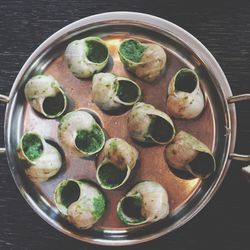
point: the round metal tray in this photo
(216, 127)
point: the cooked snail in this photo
(118, 161)
(43, 160)
(187, 153)
(45, 95)
(185, 97)
(110, 92)
(148, 124)
(86, 57)
(146, 60)
(146, 202)
(80, 201)
(80, 134)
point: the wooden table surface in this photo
(223, 27)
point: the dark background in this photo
(223, 27)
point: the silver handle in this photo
(234, 99)
(5, 99)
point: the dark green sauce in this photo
(185, 81)
(70, 193)
(89, 141)
(160, 129)
(32, 146)
(132, 50)
(99, 206)
(111, 176)
(202, 165)
(131, 207)
(127, 91)
(97, 52)
(54, 104)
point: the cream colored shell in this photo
(183, 150)
(104, 91)
(152, 62)
(140, 118)
(68, 127)
(181, 104)
(46, 166)
(82, 213)
(123, 155)
(38, 88)
(77, 60)
(154, 203)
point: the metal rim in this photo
(200, 51)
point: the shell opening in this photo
(132, 50)
(89, 141)
(131, 207)
(110, 175)
(160, 129)
(186, 81)
(54, 105)
(97, 52)
(32, 146)
(202, 165)
(127, 91)
(69, 193)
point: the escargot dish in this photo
(111, 92)
(146, 202)
(187, 153)
(86, 57)
(80, 202)
(145, 60)
(148, 124)
(45, 95)
(118, 161)
(42, 159)
(185, 98)
(80, 134)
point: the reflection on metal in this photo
(235, 99)
(239, 157)
(2, 150)
(4, 98)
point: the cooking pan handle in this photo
(234, 99)
(5, 99)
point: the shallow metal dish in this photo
(216, 126)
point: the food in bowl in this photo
(43, 160)
(119, 158)
(146, 60)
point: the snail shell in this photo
(118, 160)
(80, 201)
(80, 134)
(111, 92)
(43, 160)
(187, 153)
(145, 60)
(45, 95)
(87, 56)
(148, 124)
(185, 98)
(146, 202)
